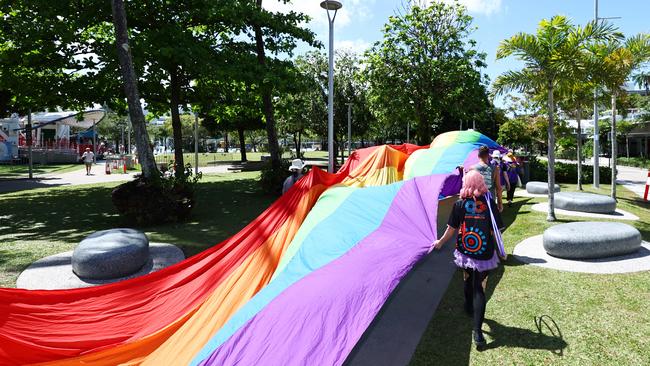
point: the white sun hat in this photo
(496, 154)
(296, 164)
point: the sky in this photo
(359, 23)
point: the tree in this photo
(642, 79)
(129, 78)
(617, 59)
(575, 93)
(548, 55)
(516, 132)
(426, 70)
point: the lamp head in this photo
(331, 5)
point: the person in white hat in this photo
(296, 173)
(497, 161)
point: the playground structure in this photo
(52, 138)
(298, 285)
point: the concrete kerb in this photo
(55, 272)
(531, 251)
(617, 215)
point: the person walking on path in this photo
(296, 173)
(88, 158)
(490, 173)
(477, 225)
(512, 170)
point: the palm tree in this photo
(549, 55)
(617, 59)
(574, 93)
(642, 79)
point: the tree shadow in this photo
(68, 215)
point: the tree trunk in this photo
(295, 144)
(271, 132)
(614, 146)
(299, 148)
(226, 143)
(242, 144)
(177, 127)
(579, 147)
(145, 154)
(423, 131)
(551, 154)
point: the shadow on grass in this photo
(448, 339)
(70, 214)
(513, 337)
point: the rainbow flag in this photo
(298, 285)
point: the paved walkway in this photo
(634, 179)
(79, 177)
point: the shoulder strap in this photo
(497, 233)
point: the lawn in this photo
(22, 171)
(208, 159)
(38, 223)
(584, 319)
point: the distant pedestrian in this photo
(88, 158)
(512, 170)
(490, 174)
(497, 161)
(296, 173)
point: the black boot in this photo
(479, 340)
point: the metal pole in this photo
(349, 128)
(128, 135)
(408, 132)
(28, 139)
(196, 143)
(94, 141)
(330, 97)
(596, 138)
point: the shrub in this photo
(153, 201)
(567, 173)
(272, 179)
(635, 162)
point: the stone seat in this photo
(585, 202)
(533, 187)
(110, 254)
(584, 240)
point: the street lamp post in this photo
(196, 143)
(349, 128)
(596, 138)
(334, 6)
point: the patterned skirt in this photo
(480, 265)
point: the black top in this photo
(475, 238)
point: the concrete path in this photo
(79, 177)
(531, 251)
(634, 179)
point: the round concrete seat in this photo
(539, 187)
(110, 254)
(585, 202)
(583, 240)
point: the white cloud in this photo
(358, 46)
(486, 7)
(352, 9)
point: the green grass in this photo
(22, 171)
(38, 223)
(587, 319)
(207, 159)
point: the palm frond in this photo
(520, 81)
